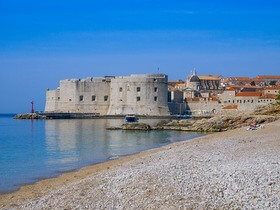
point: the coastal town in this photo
(155, 95)
(153, 105)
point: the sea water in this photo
(31, 150)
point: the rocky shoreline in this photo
(215, 124)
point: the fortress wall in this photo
(52, 97)
(76, 96)
(139, 94)
(98, 88)
(204, 106)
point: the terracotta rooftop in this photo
(192, 99)
(272, 88)
(181, 85)
(230, 89)
(231, 106)
(237, 78)
(254, 94)
(268, 96)
(209, 77)
(268, 77)
(244, 86)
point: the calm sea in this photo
(34, 150)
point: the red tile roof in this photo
(231, 106)
(268, 77)
(272, 88)
(254, 94)
(244, 86)
(192, 99)
(268, 96)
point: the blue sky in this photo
(42, 42)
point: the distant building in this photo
(209, 82)
(267, 79)
(272, 90)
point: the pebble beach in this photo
(236, 169)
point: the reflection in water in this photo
(80, 141)
(30, 150)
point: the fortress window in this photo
(93, 98)
(155, 80)
(138, 98)
(156, 89)
(252, 101)
(138, 89)
(106, 98)
(81, 98)
(58, 98)
(155, 98)
(120, 89)
(70, 99)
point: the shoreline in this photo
(244, 141)
(33, 190)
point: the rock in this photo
(135, 126)
(29, 116)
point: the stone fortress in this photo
(154, 95)
(120, 95)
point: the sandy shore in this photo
(233, 169)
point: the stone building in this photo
(135, 94)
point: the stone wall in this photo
(141, 94)
(135, 94)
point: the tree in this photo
(253, 83)
(272, 83)
(278, 96)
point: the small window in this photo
(106, 98)
(138, 89)
(138, 98)
(156, 89)
(155, 80)
(81, 98)
(155, 98)
(121, 89)
(58, 98)
(93, 98)
(70, 99)
(232, 101)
